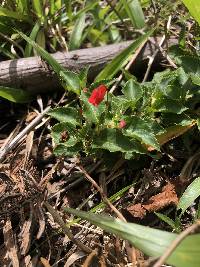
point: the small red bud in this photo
(122, 124)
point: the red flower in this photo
(122, 124)
(97, 95)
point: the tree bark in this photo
(34, 75)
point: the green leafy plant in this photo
(127, 123)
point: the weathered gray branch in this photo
(34, 75)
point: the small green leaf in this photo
(120, 60)
(151, 241)
(65, 114)
(70, 81)
(113, 140)
(40, 39)
(76, 35)
(132, 90)
(140, 129)
(71, 151)
(135, 13)
(164, 104)
(83, 75)
(189, 196)
(15, 95)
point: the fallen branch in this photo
(34, 75)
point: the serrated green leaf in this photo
(189, 196)
(83, 75)
(76, 35)
(164, 104)
(113, 140)
(151, 241)
(190, 64)
(65, 114)
(70, 81)
(132, 90)
(15, 95)
(120, 60)
(139, 129)
(71, 151)
(135, 13)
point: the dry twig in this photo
(99, 189)
(21, 135)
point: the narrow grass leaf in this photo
(166, 219)
(38, 8)
(12, 14)
(189, 196)
(69, 80)
(135, 13)
(194, 8)
(28, 48)
(76, 35)
(15, 95)
(120, 60)
(151, 241)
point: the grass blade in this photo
(151, 241)
(12, 14)
(194, 8)
(189, 196)
(33, 35)
(135, 13)
(76, 36)
(120, 60)
(69, 80)
(15, 95)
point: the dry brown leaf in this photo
(90, 258)
(9, 242)
(25, 235)
(29, 144)
(171, 133)
(45, 262)
(166, 197)
(41, 220)
(137, 210)
(74, 257)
